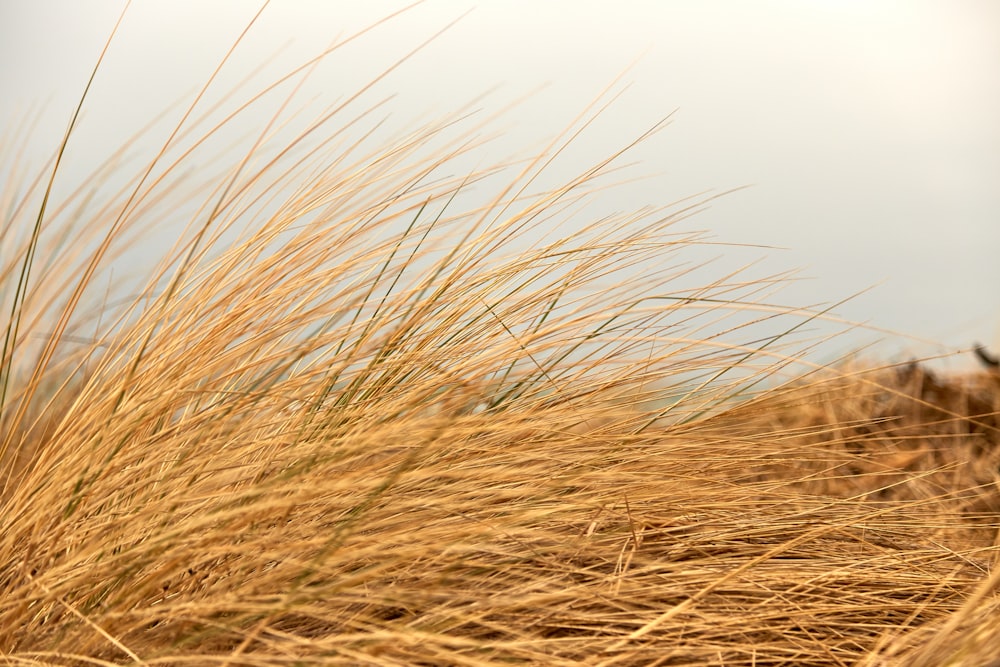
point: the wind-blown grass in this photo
(347, 421)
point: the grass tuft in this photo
(355, 415)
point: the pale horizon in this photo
(867, 131)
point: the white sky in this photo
(869, 129)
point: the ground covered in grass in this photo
(848, 521)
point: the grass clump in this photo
(346, 420)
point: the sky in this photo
(868, 132)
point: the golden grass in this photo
(344, 423)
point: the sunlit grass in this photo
(356, 416)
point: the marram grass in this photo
(348, 421)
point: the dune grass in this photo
(351, 419)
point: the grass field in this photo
(346, 420)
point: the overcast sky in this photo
(868, 130)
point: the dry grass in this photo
(345, 424)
